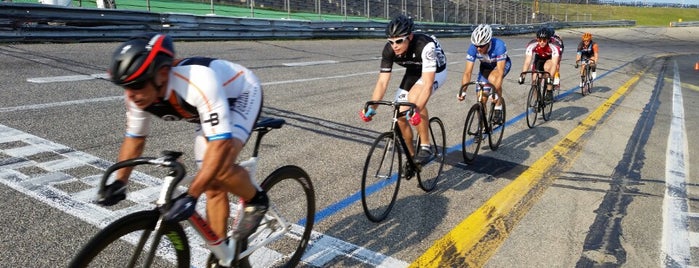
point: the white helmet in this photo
(481, 35)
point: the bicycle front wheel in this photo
(548, 104)
(429, 174)
(381, 177)
(473, 134)
(532, 106)
(292, 197)
(497, 129)
(584, 90)
(128, 241)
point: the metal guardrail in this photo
(42, 23)
(685, 24)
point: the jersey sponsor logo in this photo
(430, 55)
(213, 119)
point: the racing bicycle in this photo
(586, 76)
(480, 120)
(539, 99)
(144, 239)
(384, 167)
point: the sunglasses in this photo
(138, 85)
(397, 41)
(481, 46)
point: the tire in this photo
(473, 134)
(381, 177)
(548, 105)
(584, 90)
(532, 106)
(429, 174)
(497, 129)
(113, 246)
(291, 195)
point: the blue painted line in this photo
(356, 197)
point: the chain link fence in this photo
(504, 12)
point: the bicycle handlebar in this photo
(395, 104)
(545, 73)
(481, 84)
(168, 159)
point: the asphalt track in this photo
(607, 181)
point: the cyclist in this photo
(587, 49)
(495, 64)
(544, 55)
(224, 99)
(426, 71)
(557, 40)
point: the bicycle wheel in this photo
(429, 174)
(532, 106)
(381, 177)
(585, 79)
(291, 196)
(128, 241)
(548, 104)
(589, 81)
(473, 133)
(497, 129)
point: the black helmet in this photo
(543, 33)
(136, 60)
(551, 30)
(401, 25)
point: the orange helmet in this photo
(587, 37)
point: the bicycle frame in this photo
(538, 81)
(395, 129)
(482, 100)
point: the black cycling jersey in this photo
(413, 59)
(586, 52)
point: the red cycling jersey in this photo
(542, 53)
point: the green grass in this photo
(644, 16)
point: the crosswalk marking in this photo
(18, 151)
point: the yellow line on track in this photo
(473, 241)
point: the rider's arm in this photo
(137, 129)
(384, 74)
(381, 85)
(527, 62)
(466, 77)
(131, 147)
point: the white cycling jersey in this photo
(224, 98)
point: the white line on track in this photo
(675, 241)
(309, 63)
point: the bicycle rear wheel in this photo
(497, 129)
(429, 174)
(292, 197)
(381, 177)
(473, 133)
(127, 242)
(532, 106)
(548, 104)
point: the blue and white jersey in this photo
(496, 52)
